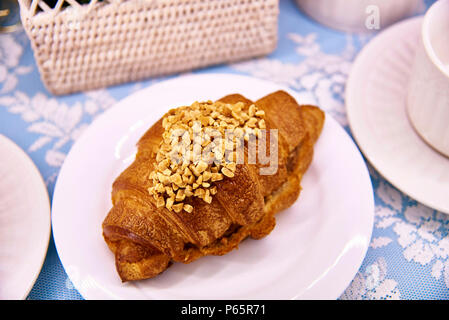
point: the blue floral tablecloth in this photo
(408, 257)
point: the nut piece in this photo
(228, 173)
(188, 208)
(207, 197)
(207, 175)
(169, 203)
(178, 207)
(176, 179)
(160, 202)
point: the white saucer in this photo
(375, 101)
(24, 221)
(314, 252)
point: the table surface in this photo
(408, 257)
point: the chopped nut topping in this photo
(193, 155)
(169, 203)
(160, 202)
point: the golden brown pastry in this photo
(147, 232)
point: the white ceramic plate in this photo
(376, 107)
(314, 252)
(24, 221)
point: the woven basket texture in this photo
(81, 47)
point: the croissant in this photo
(146, 238)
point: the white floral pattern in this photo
(421, 234)
(319, 77)
(54, 122)
(372, 284)
(420, 231)
(408, 238)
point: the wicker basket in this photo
(101, 43)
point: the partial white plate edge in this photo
(318, 285)
(44, 193)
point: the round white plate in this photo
(314, 252)
(376, 107)
(24, 221)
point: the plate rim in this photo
(371, 204)
(350, 105)
(18, 151)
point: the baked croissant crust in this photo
(147, 239)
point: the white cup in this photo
(359, 15)
(428, 91)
